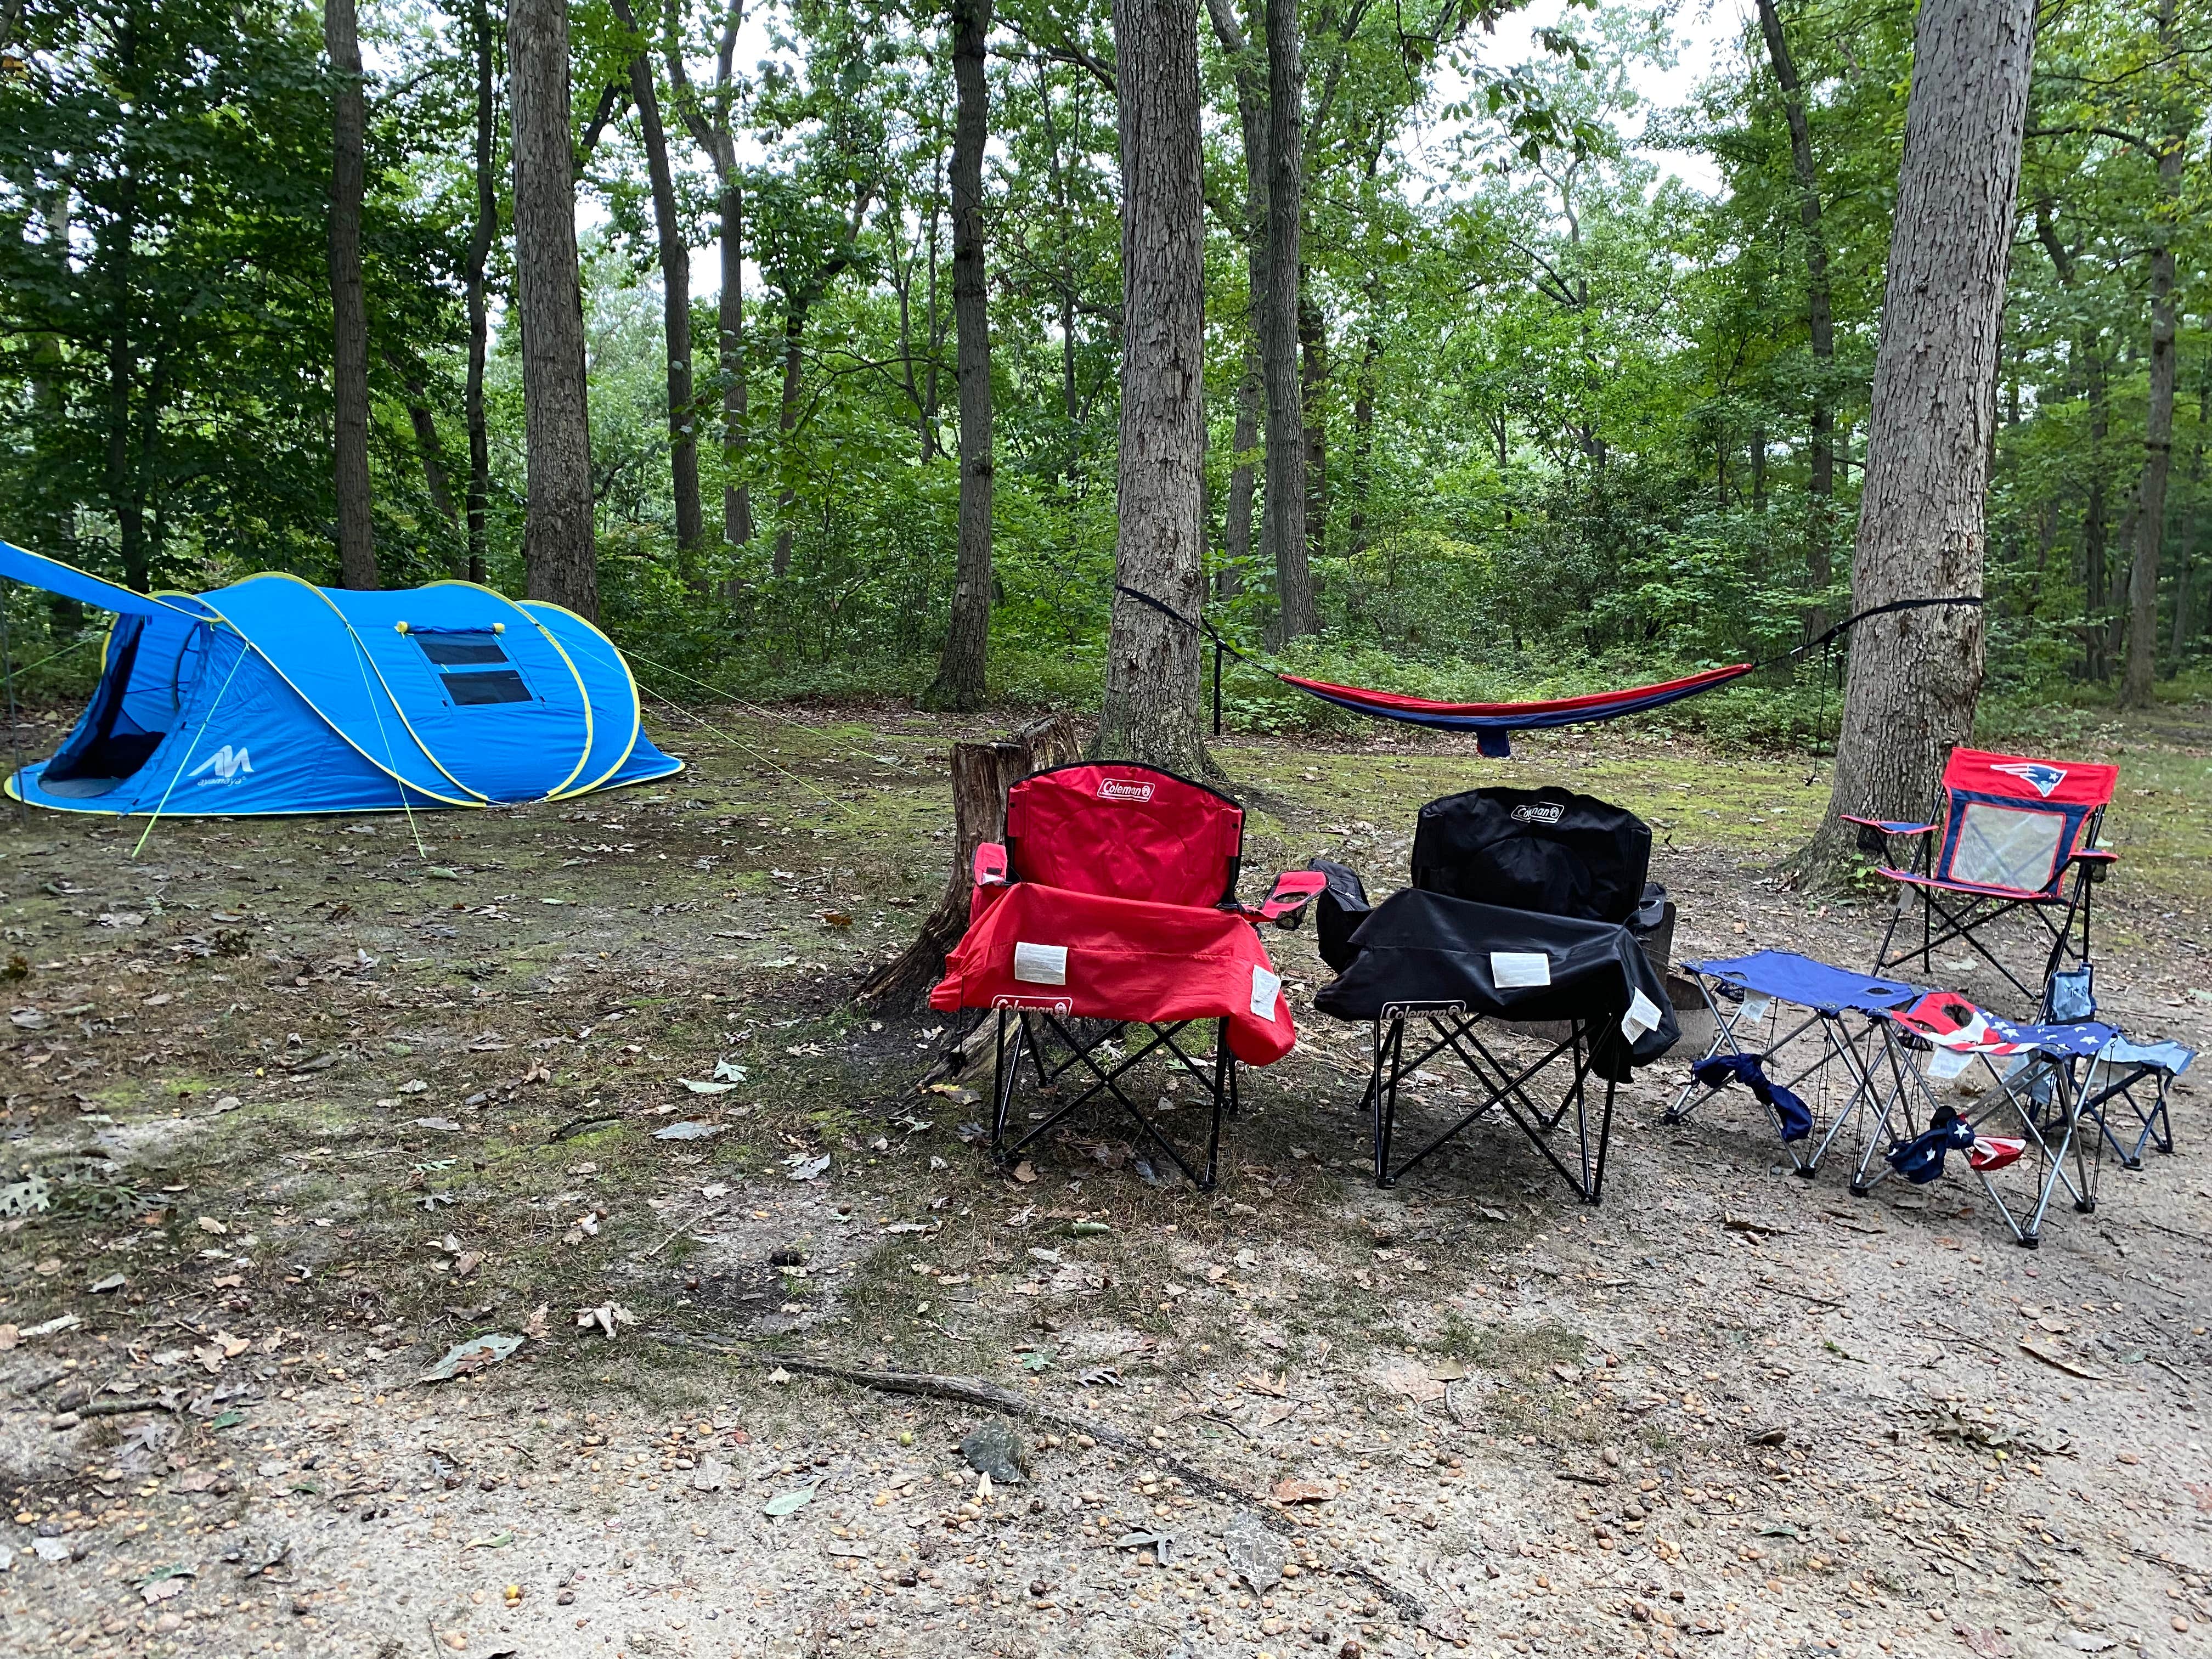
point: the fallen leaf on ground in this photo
(608, 1316)
(473, 1355)
(787, 1502)
(1288, 1492)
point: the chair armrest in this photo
(991, 865)
(1886, 826)
(2095, 855)
(1293, 891)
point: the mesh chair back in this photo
(1124, 832)
(1548, 850)
(2011, 823)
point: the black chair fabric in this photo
(1548, 850)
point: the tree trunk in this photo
(349, 308)
(981, 774)
(967, 635)
(2157, 418)
(479, 252)
(1251, 83)
(416, 381)
(1820, 314)
(794, 335)
(557, 551)
(1153, 711)
(675, 308)
(2184, 628)
(1915, 675)
(1362, 437)
(730, 328)
(2095, 516)
(1313, 391)
(1284, 529)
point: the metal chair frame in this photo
(1023, 1031)
(1454, 1031)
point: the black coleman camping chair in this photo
(1519, 912)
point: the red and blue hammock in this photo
(1494, 723)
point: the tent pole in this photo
(7, 670)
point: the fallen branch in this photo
(974, 1391)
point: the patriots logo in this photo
(2044, 777)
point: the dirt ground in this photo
(295, 1107)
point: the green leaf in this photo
(789, 1503)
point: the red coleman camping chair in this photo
(1112, 905)
(2016, 834)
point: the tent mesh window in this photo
(495, 685)
(477, 653)
(460, 651)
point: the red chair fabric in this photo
(1094, 956)
(1128, 832)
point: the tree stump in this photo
(981, 774)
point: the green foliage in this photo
(1562, 403)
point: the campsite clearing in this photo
(294, 1111)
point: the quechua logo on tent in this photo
(2043, 777)
(226, 764)
(1123, 789)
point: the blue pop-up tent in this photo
(274, 695)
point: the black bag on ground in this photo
(1337, 908)
(1548, 850)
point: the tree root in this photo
(974, 1391)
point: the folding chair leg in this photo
(1005, 1073)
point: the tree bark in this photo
(348, 307)
(2142, 665)
(1152, 711)
(730, 331)
(675, 307)
(416, 379)
(479, 252)
(1916, 675)
(1819, 317)
(1363, 436)
(558, 556)
(960, 671)
(981, 774)
(1250, 76)
(1284, 529)
(2184, 628)
(1313, 392)
(715, 137)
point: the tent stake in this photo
(7, 670)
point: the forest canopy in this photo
(1561, 418)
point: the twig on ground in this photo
(974, 1391)
(122, 1407)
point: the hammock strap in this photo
(1200, 625)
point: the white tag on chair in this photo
(1949, 1062)
(1643, 1016)
(1754, 1010)
(1040, 964)
(1510, 969)
(1265, 988)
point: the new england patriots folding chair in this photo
(2028, 1119)
(2016, 835)
(1552, 951)
(1102, 930)
(1827, 1044)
